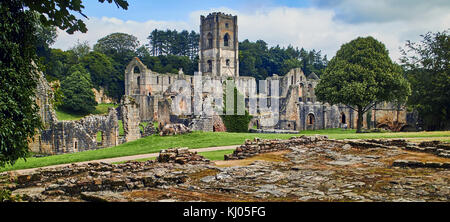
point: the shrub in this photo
(236, 123)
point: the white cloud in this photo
(101, 27)
(311, 28)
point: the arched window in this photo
(138, 80)
(210, 40)
(226, 39)
(311, 119)
(310, 87)
(136, 70)
(228, 62)
(226, 25)
(209, 66)
(343, 118)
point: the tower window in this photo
(210, 40)
(169, 79)
(209, 66)
(228, 62)
(226, 39)
(226, 25)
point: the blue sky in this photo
(313, 24)
(144, 10)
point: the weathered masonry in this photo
(219, 60)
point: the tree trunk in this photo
(359, 122)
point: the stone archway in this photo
(310, 121)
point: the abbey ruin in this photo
(195, 100)
(219, 61)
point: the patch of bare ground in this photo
(270, 157)
(199, 175)
(422, 139)
(417, 156)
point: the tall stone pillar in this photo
(130, 118)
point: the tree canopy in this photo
(77, 91)
(19, 118)
(258, 60)
(360, 75)
(427, 66)
(18, 111)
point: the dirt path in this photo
(121, 159)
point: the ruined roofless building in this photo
(218, 60)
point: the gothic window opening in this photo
(226, 25)
(228, 63)
(138, 81)
(157, 79)
(100, 138)
(136, 70)
(210, 40)
(226, 40)
(343, 118)
(169, 80)
(311, 119)
(75, 146)
(209, 66)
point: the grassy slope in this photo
(155, 143)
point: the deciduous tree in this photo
(18, 111)
(427, 65)
(360, 75)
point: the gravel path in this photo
(121, 159)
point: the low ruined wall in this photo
(180, 156)
(81, 135)
(258, 146)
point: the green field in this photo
(155, 143)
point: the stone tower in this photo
(219, 45)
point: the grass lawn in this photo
(155, 143)
(99, 109)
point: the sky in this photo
(312, 24)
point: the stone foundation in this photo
(258, 146)
(180, 156)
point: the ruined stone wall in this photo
(130, 118)
(81, 135)
(101, 97)
(289, 110)
(258, 146)
(43, 99)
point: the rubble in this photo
(180, 156)
(258, 146)
(174, 129)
